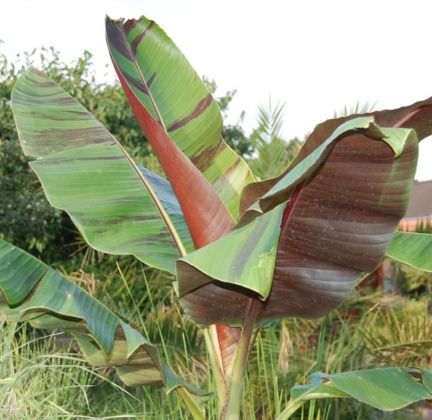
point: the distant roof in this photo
(420, 204)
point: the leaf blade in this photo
(183, 125)
(86, 172)
(386, 389)
(416, 116)
(413, 249)
(329, 236)
(55, 302)
(147, 60)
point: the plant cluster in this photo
(243, 251)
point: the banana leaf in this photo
(33, 292)
(303, 257)
(413, 249)
(163, 87)
(118, 207)
(386, 389)
(184, 127)
(417, 116)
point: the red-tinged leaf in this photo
(204, 212)
(205, 215)
(228, 338)
(205, 173)
(341, 225)
(336, 226)
(417, 116)
(166, 85)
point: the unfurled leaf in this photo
(417, 116)
(413, 249)
(386, 389)
(341, 208)
(33, 292)
(87, 173)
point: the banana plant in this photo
(242, 251)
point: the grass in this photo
(44, 377)
(37, 383)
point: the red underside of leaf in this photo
(416, 116)
(205, 214)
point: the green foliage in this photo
(272, 152)
(37, 383)
(414, 282)
(365, 332)
(26, 218)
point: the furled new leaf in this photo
(183, 125)
(414, 249)
(161, 83)
(33, 292)
(336, 223)
(86, 172)
(384, 388)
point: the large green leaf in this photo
(384, 388)
(33, 292)
(87, 173)
(417, 116)
(167, 87)
(414, 249)
(341, 208)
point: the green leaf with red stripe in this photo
(167, 87)
(183, 125)
(118, 207)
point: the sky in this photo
(314, 56)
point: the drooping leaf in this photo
(336, 225)
(164, 84)
(87, 173)
(386, 389)
(33, 292)
(305, 168)
(417, 116)
(413, 249)
(245, 257)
